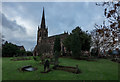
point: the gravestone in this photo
(46, 65)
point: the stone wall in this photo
(50, 41)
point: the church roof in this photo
(61, 35)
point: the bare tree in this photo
(102, 38)
(43, 48)
(108, 36)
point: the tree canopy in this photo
(57, 49)
(77, 41)
(57, 44)
(10, 50)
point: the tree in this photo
(57, 44)
(111, 32)
(77, 41)
(98, 38)
(67, 44)
(57, 49)
(9, 50)
(43, 48)
(107, 37)
(86, 41)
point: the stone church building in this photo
(43, 40)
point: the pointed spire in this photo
(38, 27)
(43, 20)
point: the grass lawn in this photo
(102, 69)
(0, 68)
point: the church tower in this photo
(42, 30)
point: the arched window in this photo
(40, 33)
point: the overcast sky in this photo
(20, 20)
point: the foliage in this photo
(57, 49)
(97, 41)
(43, 57)
(43, 48)
(44, 52)
(29, 53)
(108, 34)
(10, 50)
(67, 43)
(21, 53)
(112, 13)
(57, 44)
(36, 58)
(77, 41)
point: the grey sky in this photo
(21, 19)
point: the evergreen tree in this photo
(57, 45)
(77, 41)
(57, 49)
(67, 44)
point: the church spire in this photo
(43, 20)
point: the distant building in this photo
(21, 48)
(42, 37)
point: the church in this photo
(45, 44)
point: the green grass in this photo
(101, 69)
(0, 68)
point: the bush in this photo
(94, 52)
(29, 53)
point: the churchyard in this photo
(75, 55)
(101, 69)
